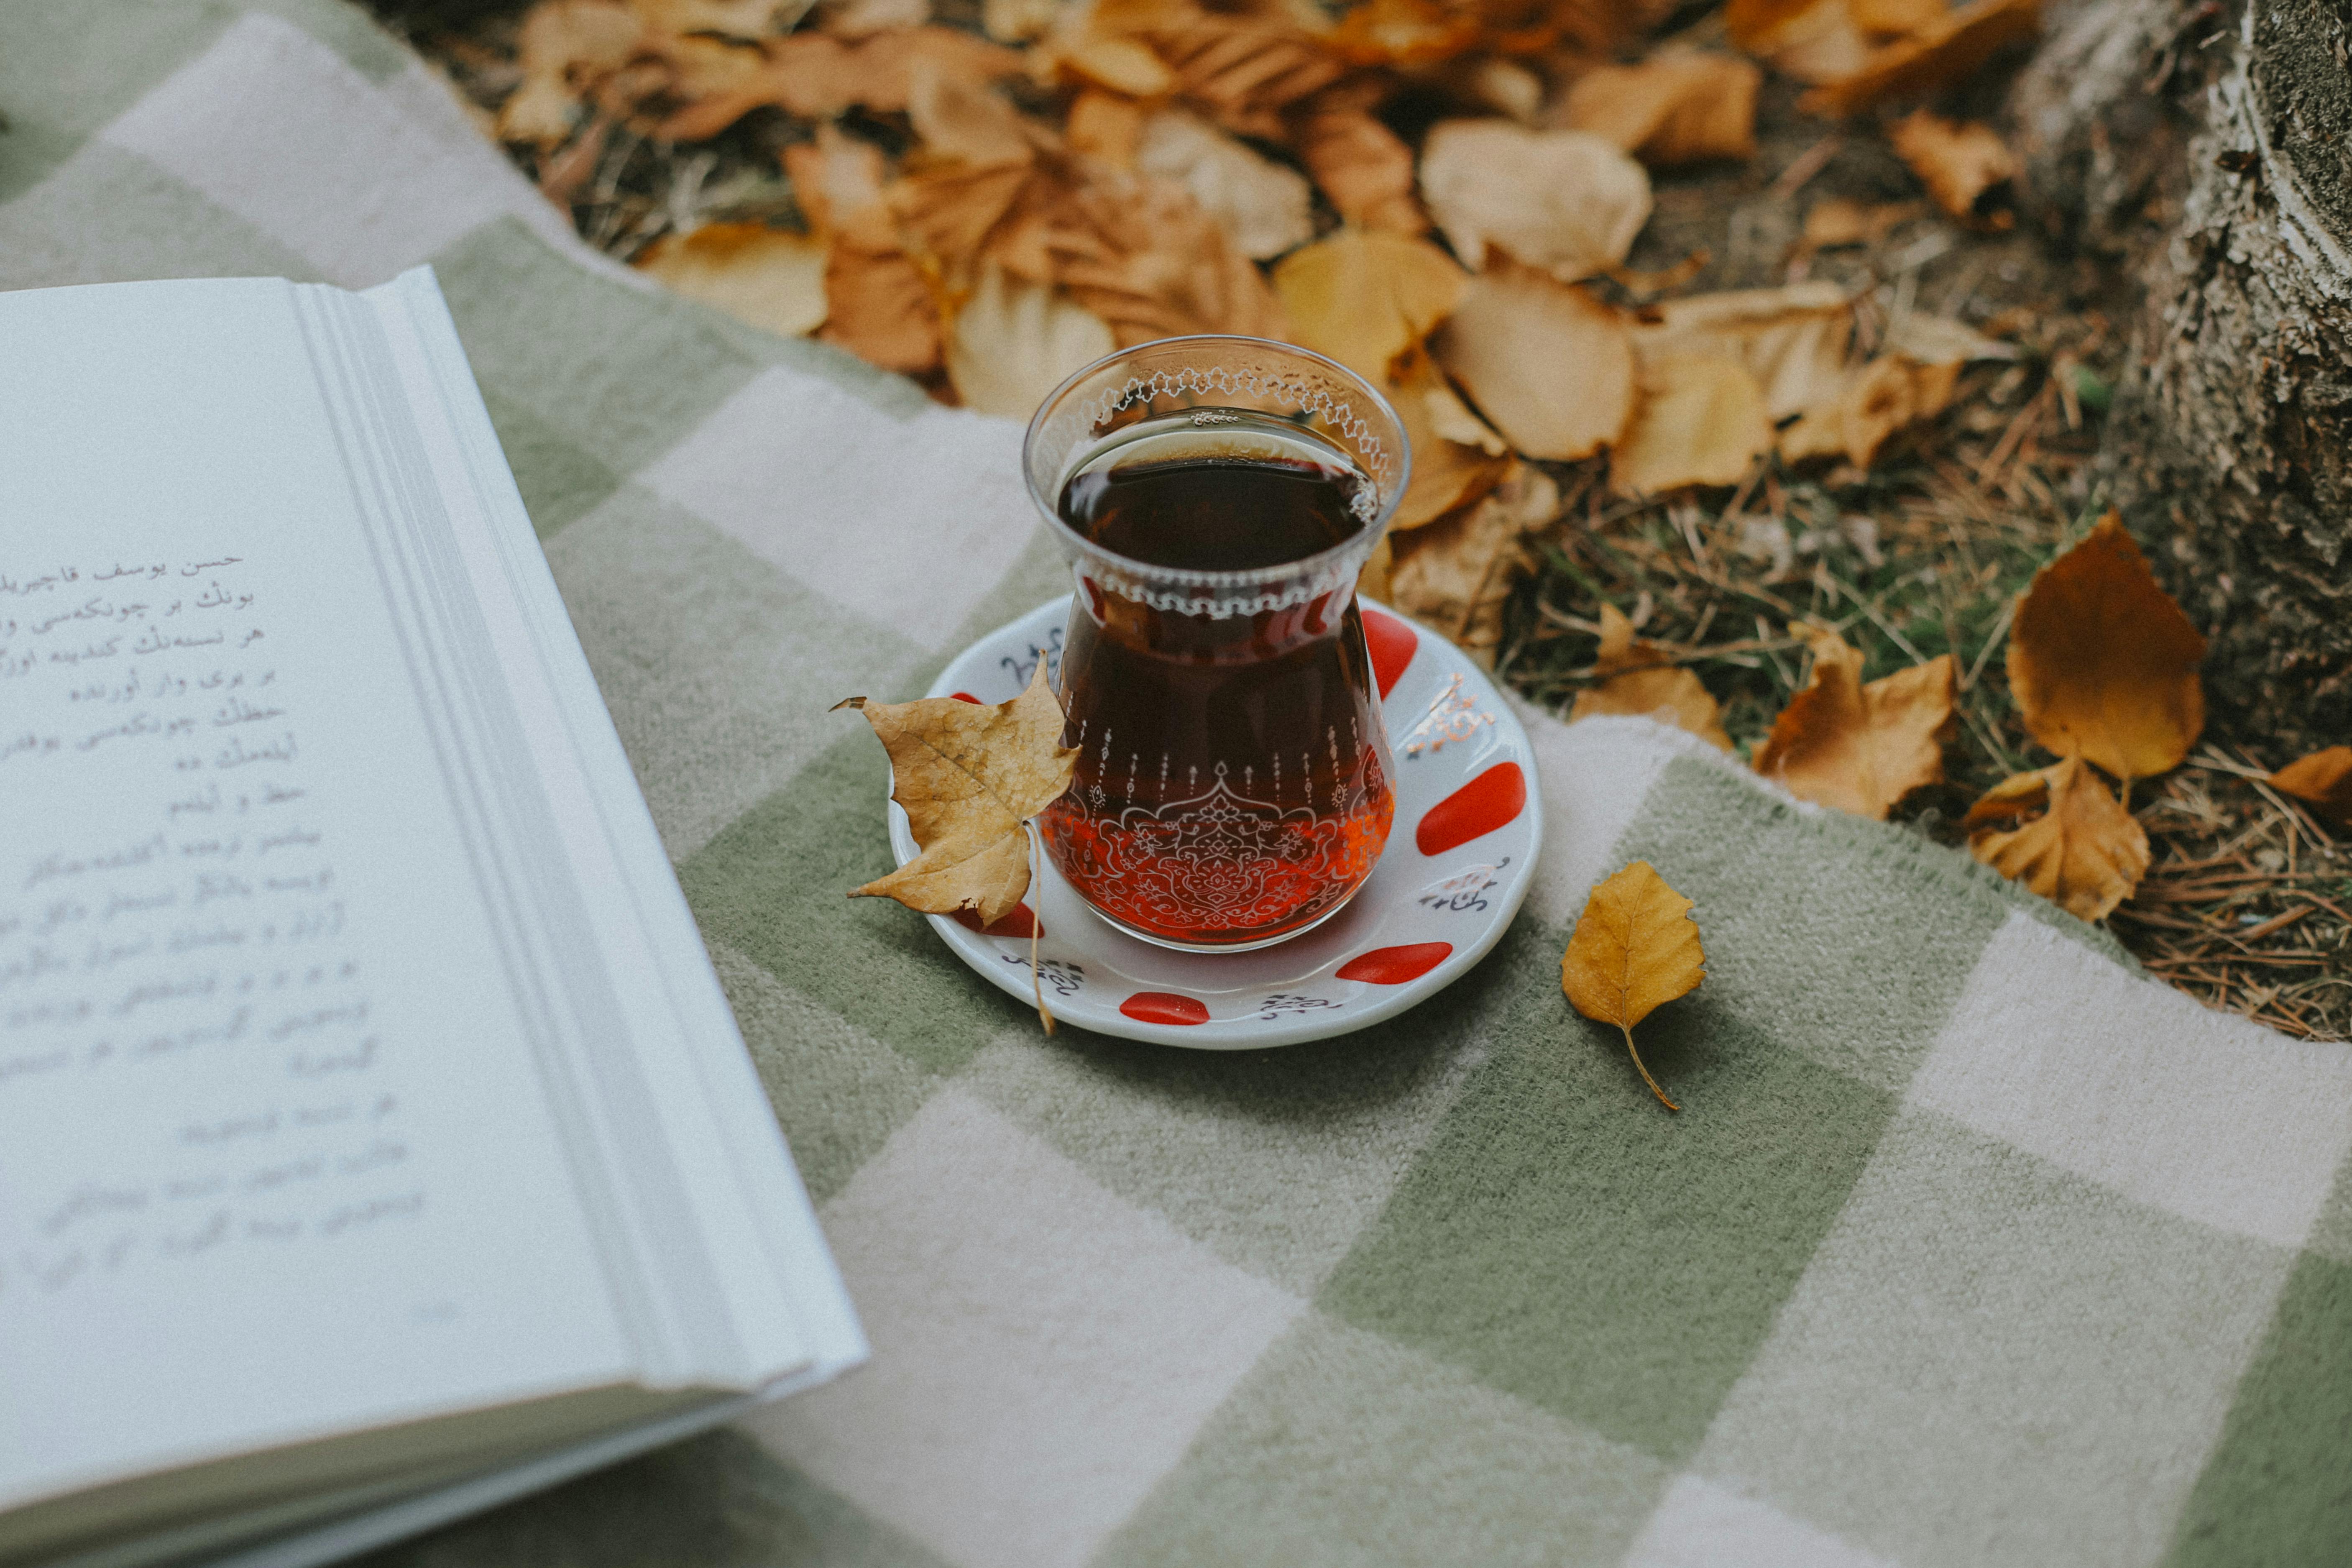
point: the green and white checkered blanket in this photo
(1972, 1246)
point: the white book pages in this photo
(358, 1061)
(270, 1166)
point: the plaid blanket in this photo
(1972, 1246)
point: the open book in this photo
(376, 1141)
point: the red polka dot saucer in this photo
(1458, 863)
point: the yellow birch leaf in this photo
(2324, 779)
(968, 777)
(1639, 682)
(753, 272)
(1550, 366)
(1566, 201)
(2084, 852)
(2103, 663)
(1858, 748)
(1635, 948)
(1701, 421)
(1364, 297)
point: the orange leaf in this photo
(1642, 683)
(1457, 573)
(1963, 164)
(2324, 779)
(1860, 749)
(1447, 471)
(1811, 40)
(2084, 852)
(1566, 201)
(1701, 421)
(1364, 169)
(1364, 297)
(1548, 363)
(1939, 56)
(1676, 106)
(2103, 663)
(753, 272)
(1634, 949)
(1140, 254)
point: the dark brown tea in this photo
(1231, 785)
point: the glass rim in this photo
(1249, 577)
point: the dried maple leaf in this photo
(1634, 949)
(1679, 106)
(1946, 51)
(1141, 254)
(1701, 420)
(1455, 458)
(2103, 663)
(969, 778)
(1637, 679)
(754, 273)
(1456, 574)
(1013, 342)
(2084, 852)
(2324, 779)
(1965, 165)
(1363, 168)
(1365, 298)
(563, 45)
(1264, 207)
(1550, 364)
(1858, 748)
(1566, 201)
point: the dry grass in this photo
(2249, 903)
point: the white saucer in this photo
(1424, 917)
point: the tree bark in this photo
(2204, 149)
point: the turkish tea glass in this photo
(1216, 498)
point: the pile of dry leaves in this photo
(1449, 196)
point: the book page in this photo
(274, 1158)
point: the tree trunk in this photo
(2204, 148)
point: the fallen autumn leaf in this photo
(969, 778)
(2083, 852)
(1549, 364)
(2103, 663)
(1635, 948)
(1637, 679)
(1860, 748)
(2323, 779)
(1566, 201)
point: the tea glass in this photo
(1232, 786)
